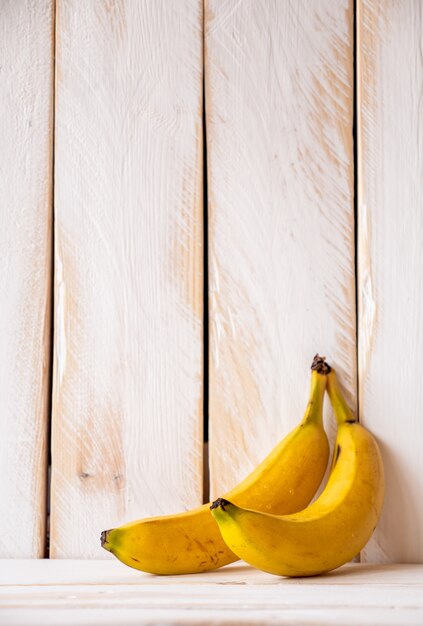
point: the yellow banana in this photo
(284, 482)
(334, 528)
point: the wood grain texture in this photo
(26, 105)
(279, 93)
(67, 572)
(127, 400)
(390, 263)
(97, 592)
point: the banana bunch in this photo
(285, 482)
(265, 519)
(334, 528)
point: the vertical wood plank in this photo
(390, 263)
(279, 93)
(26, 105)
(127, 417)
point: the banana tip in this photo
(103, 538)
(220, 502)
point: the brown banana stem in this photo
(314, 410)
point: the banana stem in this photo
(341, 409)
(314, 410)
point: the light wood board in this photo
(390, 263)
(127, 401)
(26, 122)
(98, 592)
(279, 96)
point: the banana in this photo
(330, 531)
(284, 482)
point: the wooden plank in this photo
(390, 263)
(26, 105)
(207, 597)
(279, 94)
(69, 572)
(127, 414)
(98, 590)
(216, 617)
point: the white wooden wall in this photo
(128, 376)
(279, 86)
(390, 253)
(127, 397)
(26, 117)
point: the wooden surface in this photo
(127, 399)
(97, 592)
(279, 95)
(26, 105)
(390, 263)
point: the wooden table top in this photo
(47, 592)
